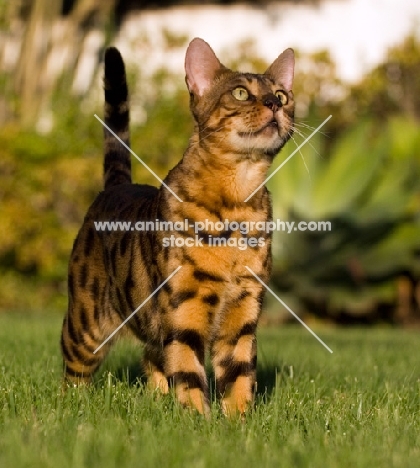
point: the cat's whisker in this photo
(222, 137)
(309, 127)
(213, 132)
(301, 134)
(298, 132)
(303, 124)
(301, 154)
(247, 135)
(250, 132)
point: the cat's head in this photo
(240, 113)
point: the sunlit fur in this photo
(212, 305)
(243, 127)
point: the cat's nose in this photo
(272, 102)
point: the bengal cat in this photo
(212, 304)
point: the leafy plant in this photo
(369, 190)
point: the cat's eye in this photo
(240, 93)
(282, 96)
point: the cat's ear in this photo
(282, 69)
(201, 66)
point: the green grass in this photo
(358, 407)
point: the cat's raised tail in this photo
(117, 163)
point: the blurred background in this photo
(358, 60)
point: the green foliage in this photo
(360, 173)
(368, 189)
(392, 87)
(312, 408)
(162, 140)
(49, 180)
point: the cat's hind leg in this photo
(89, 319)
(154, 369)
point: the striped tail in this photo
(117, 163)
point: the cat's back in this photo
(125, 202)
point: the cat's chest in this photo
(238, 183)
(248, 172)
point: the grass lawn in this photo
(358, 407)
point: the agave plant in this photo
(369, 190)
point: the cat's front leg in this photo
(234, 352)
(184, 350)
